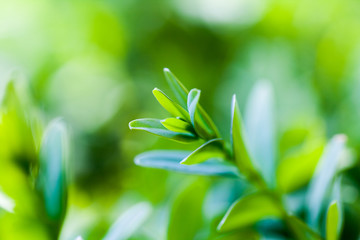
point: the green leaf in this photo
(177, 125)
(172, 107)
(52, 172)
(301, 230)
(177, 87)
(154, 126)
(249, 210)
(170, 160)
(239, 145)
(186, 213)
(201, 121)
(129, 222)
(260, 126)
(321, 183)
(6, 202)
(332, 222)
(209, 150)
(297, 169)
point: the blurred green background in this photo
(95, 63)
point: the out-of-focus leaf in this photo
(301, 230)
(210, 149)
(239, 144)
(129, 222)
(297, 169)
(172, 107)
(202, 123)
(177, 125)
(186, 213)
(154, 126)
(170, 160)
(6, 202)
(52, 173)
(260, 126)
(333, 222)
(180, 91)
(248, 210)
(323, 179)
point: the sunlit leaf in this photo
(172, 107)
(297, 168)
(180, 91)
(177, 125)
(323, 178)
(186, 213)
(209, 150)
(170, 160)
(239, 145)
(202, 123)
(332, 222)
(52, 173)
(260, 126)
(129, 222)
(154, 126)
(248, 210)
(6, 202)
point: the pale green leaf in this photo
(172, 107)
(239, 144)
(170, 160)
(177, 125)
(177, 87)
(323, 178)
(201, 121)
(209, 150)
(6, 202)
(249, 210)
(332, 222)
(52, 172)
(154, 126)
(129, 222)
(260, 126)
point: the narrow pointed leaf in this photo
(332, 222)
(129, 222)
(260, 126)
(210, 149)
(52, 173)
(154, 126)
(248, 210)
(172, 107)
(238, 142)
(177, 87)
(301, 230)
(170, 160)
(323, 179)
(177, 125)
(202, 123)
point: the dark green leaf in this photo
(154, 126)
(177, 87)
(170, 160)
(248, 210)
(172, 107)
(177, 125)
(209, 150)
(52, 173)
(301, 230)
(239, 145)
